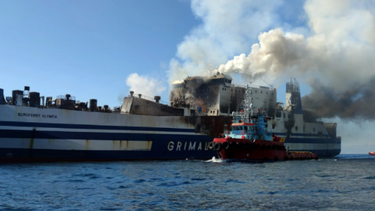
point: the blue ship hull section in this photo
(47, 155)
(164, 145)
(327, 152)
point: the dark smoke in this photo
(356, 103)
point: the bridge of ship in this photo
(249, 130)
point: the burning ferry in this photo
(216, 96)
(34, 128)
(38, 129)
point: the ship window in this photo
(261, 92)
(296, 128)
(266, 92)
(255, 91)
(314, 129)
(231, 90)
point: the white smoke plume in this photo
(336, 52)
(228, 29)
(144, 85)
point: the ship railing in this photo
(149, 98)
(252, 85)
(238, 113)
(64, 97)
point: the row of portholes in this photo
(243, 91)
(225, 89)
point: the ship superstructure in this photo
(217, 95)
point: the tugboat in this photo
(250, 140)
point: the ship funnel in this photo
(157, 98)
(25, 99)
(67, 96)
(93, 104)
(49, 102)
(26, 92)
(34, 99)
(2, 101)
(131, 93)
(17, 96)
(139, 95)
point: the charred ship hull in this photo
(216, 95)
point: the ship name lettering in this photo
(206, 146)
(170, 145)
(49, 116)
(191, 146)
(28, 114)
(179, 144)
(37, 115)
(200, 146)
(183, 146)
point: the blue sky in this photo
(88, 48)
(104, 49)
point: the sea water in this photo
(346, 182)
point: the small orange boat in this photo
(371, 153)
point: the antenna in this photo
(266, 82)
